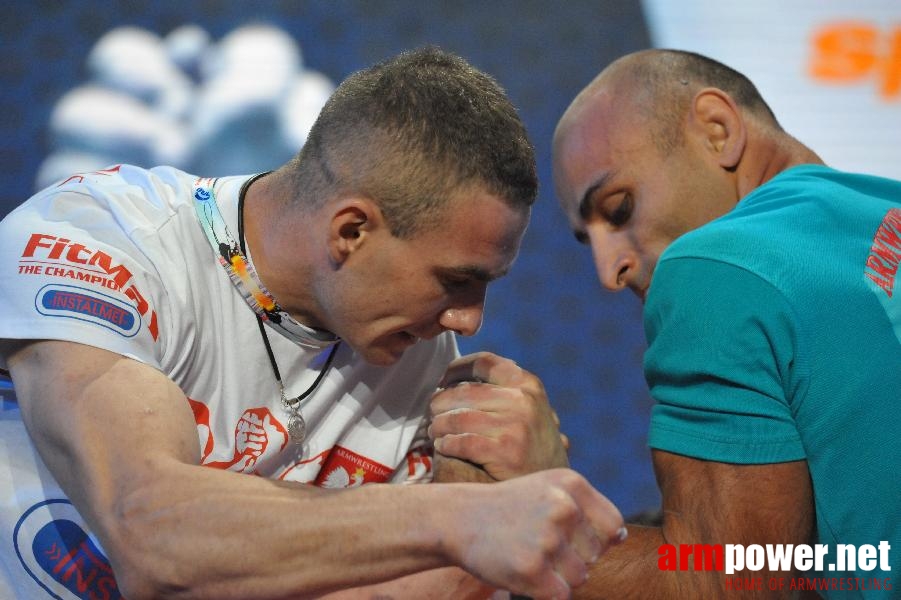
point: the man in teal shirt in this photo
(773, 318)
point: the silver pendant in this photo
(297, 428)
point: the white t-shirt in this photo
(117, 259)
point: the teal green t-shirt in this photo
(774, 334)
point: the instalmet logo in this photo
(88, 305)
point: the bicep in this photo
(102, 423)
(712, 502)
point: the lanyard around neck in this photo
(242, 273)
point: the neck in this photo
(772, 155)
(279, 244)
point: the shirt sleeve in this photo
(721, 353)
(70, 271)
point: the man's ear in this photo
(717, 118)
(351, 224)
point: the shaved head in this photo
(658, 85)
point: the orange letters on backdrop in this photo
(853, 51)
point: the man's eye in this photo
(621, 214)
(454, 284)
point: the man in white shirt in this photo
(291, 325)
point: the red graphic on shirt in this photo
(344, 469)
(204, 433)
(419, 463)
(257, 434)
(337, 467)
(304, 471)
(885, 253)
(80, 176)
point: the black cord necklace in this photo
(297, 426)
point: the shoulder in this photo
(124, 194)
(762, 223)
(796, 212)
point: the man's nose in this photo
(463, 320)
(614, 263)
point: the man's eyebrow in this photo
(585, 206)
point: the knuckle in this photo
(469, 445)
(531, 381)
(484, 360)
(462, 445)
(573, 569)
(504, 362)
(513, 435)
(559, 502)
(562, 509)
(450, 445)
(571, 480)
(567, 512)
(530, 564)
(537, 413)
(549, 541)
(438, 426)
(440, 400)
(453, 421)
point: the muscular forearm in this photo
(630, 571)
(449, 583)
(269, 540)
(253, 538)
(742, 504)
